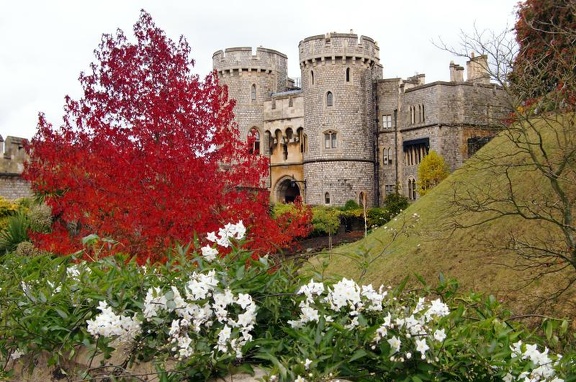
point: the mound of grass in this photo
(437, 237)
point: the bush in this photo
(377, 217)
(395, 203)
(325, 220)
(201, 315)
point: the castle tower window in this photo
(329, 99)
(412, 115)
(389, 189)
(387, 121)
(290, 102)
(412, 189)
(347, 74)
(327, 198)
(253, 92)
(330, 140)
(423, 116)
(312, 77)
(254, 141)
(387, 156)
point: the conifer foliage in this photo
(149, 155)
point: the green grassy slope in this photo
(475, 256)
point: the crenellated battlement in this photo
(246, 59)
(339, 47)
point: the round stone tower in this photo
(338, 71)
(251, 78)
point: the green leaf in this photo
(360, 353)
(61, 313)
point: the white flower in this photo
(16, 354)
(209, 253)
(437, 308)
(212, 237)
(153, 302)
(307, 363)
(440, 335)
(395, 343)
(300, 379)
(422, 346)
(244, 300)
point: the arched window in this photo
(269, 143)
(329, 99)
(254, 140)
(253, 92)
(312, 77)
(327, 198)
(412, 189)
(347, 74)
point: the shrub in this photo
(395, 203)
(201, 315)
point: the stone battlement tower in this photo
(337, 71)
(251, 78)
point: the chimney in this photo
(477, 69)
(456, 72)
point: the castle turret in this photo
(337, 72)
(251, 78)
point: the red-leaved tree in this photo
(149, 156)
(545, 32)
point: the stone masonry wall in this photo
(14, 187)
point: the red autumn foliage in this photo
(149, 156)
(545, 63)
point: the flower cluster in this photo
(543, 365)
(199, 306)
(109, 324)
(203, 305)
(416, 325)
(224, 238)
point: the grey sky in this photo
(45, 44)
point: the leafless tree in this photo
(531, 179)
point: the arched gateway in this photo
(287, 190)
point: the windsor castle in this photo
(345, 132)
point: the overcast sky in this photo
(45, 44)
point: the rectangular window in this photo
(330, 141)
(387, 121)
(389, 189)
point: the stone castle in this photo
(346, 133)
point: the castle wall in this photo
(12, 186)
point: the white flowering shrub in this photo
(204, 314)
